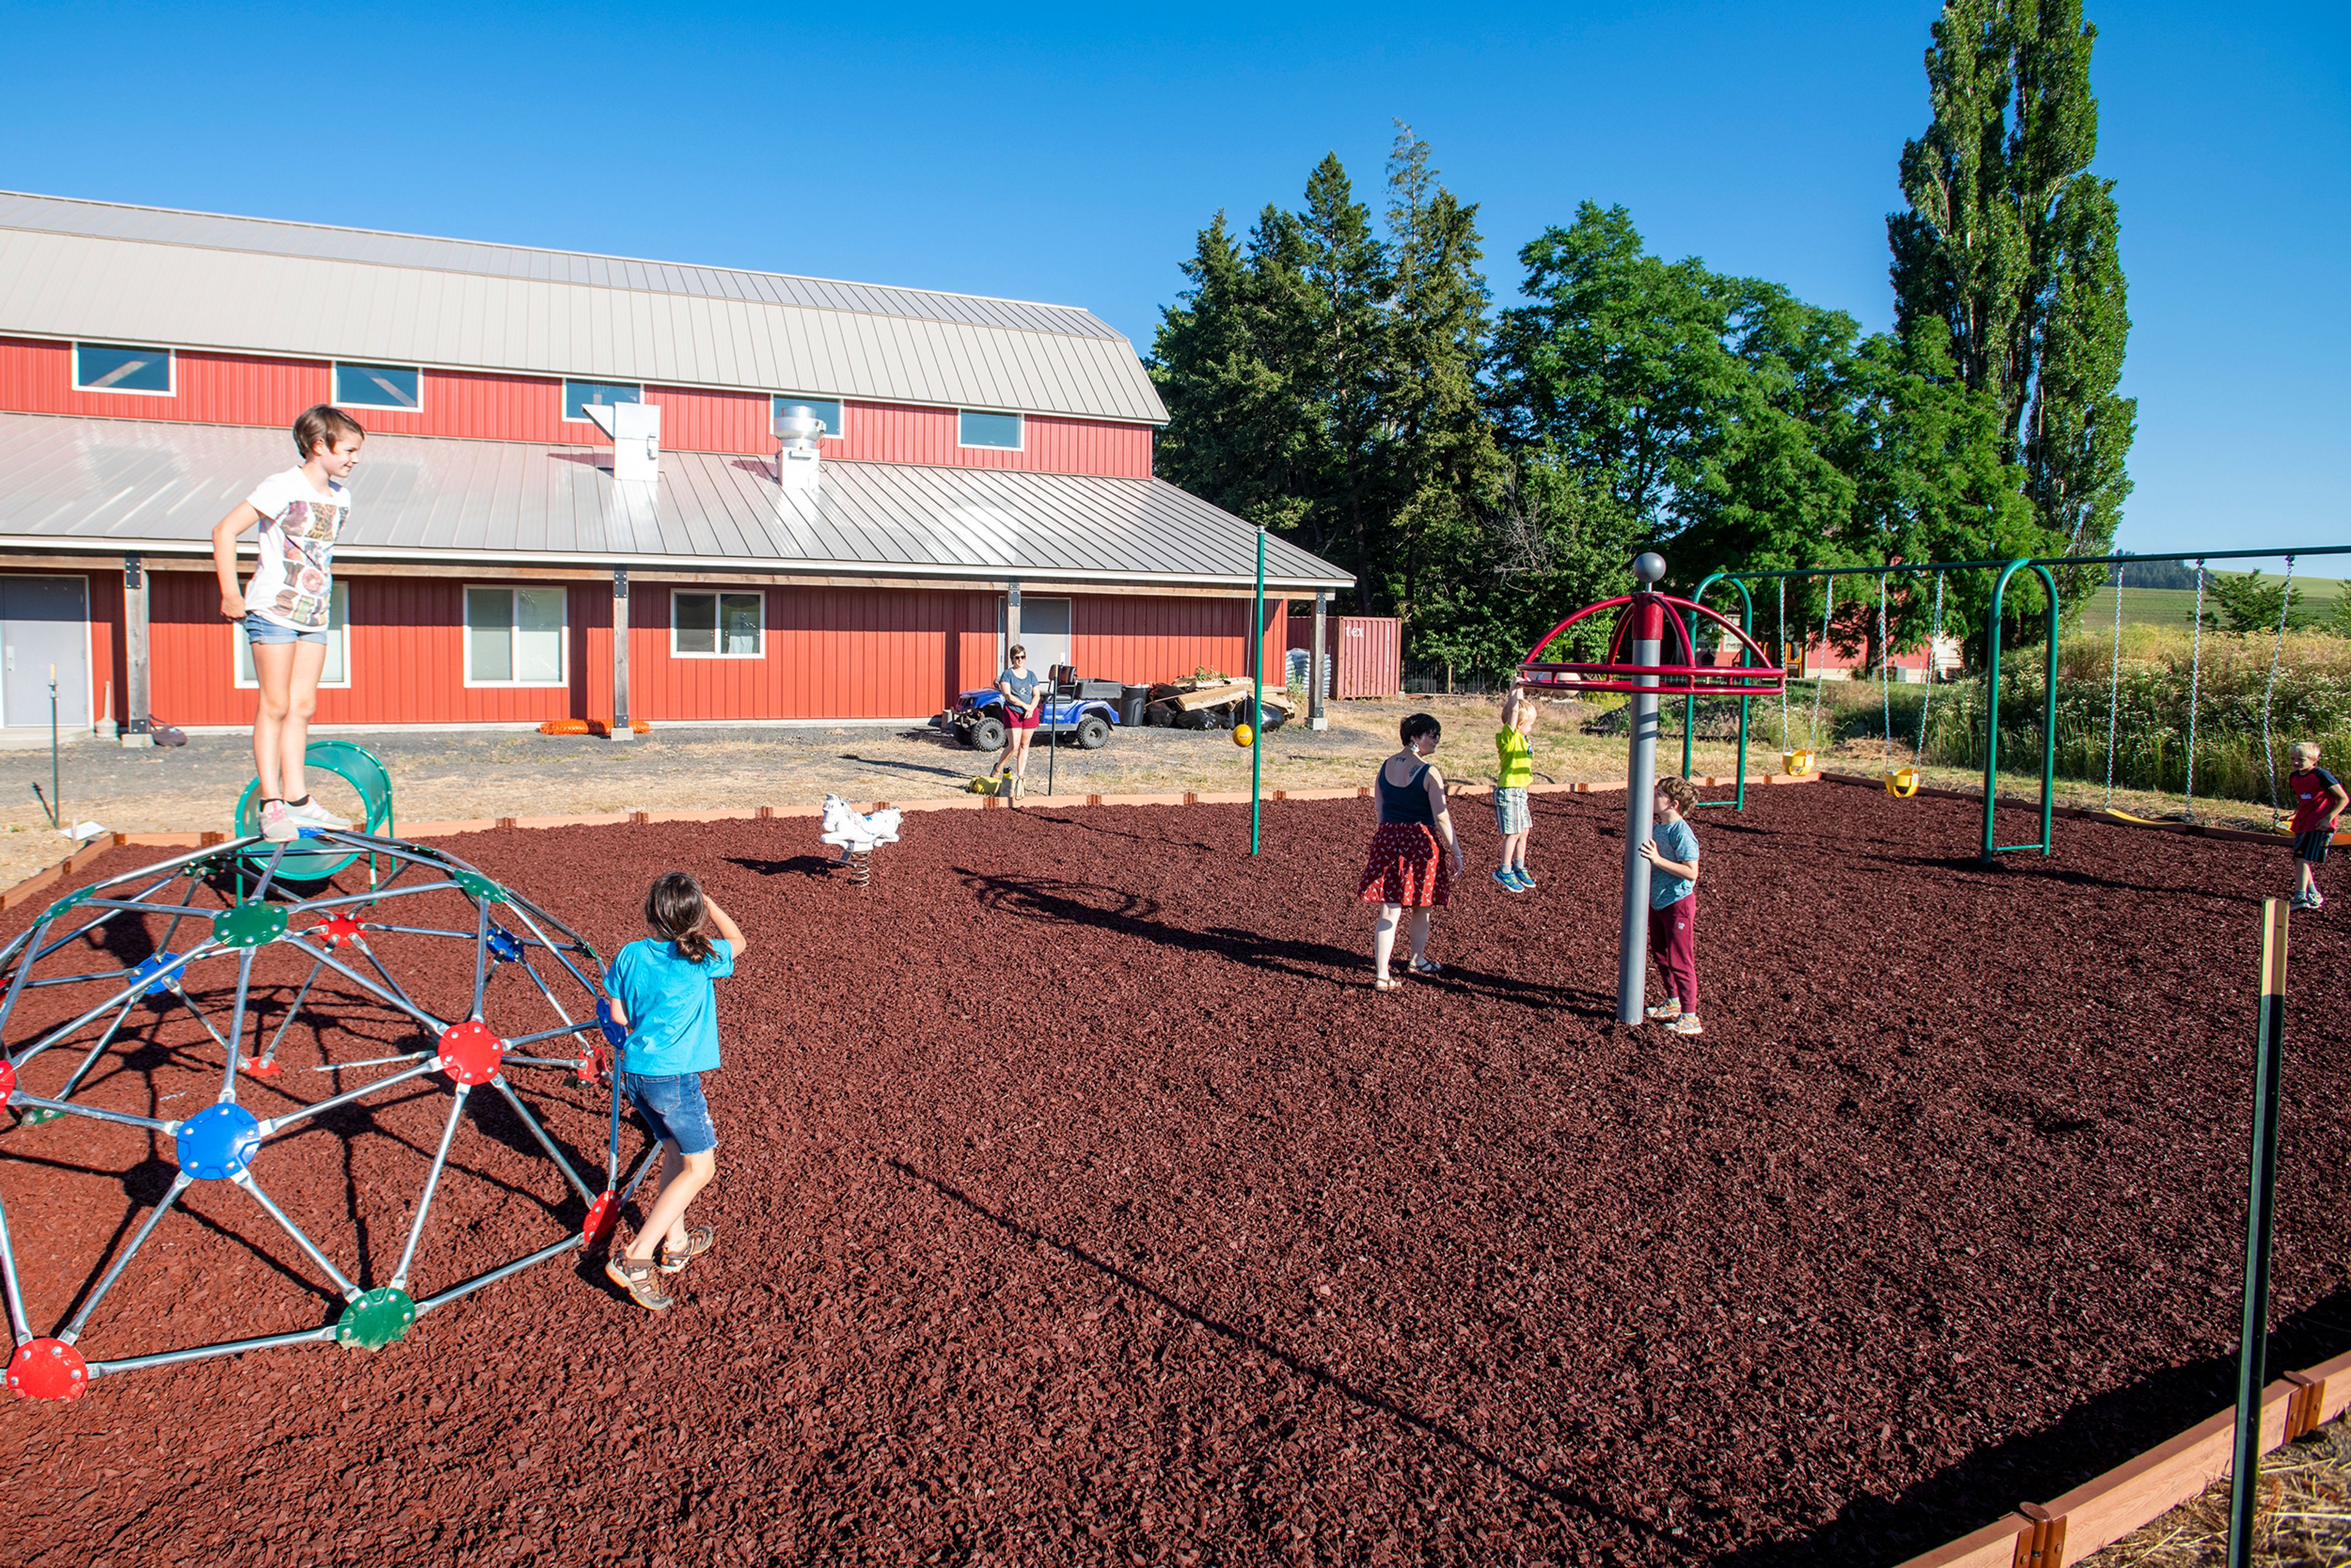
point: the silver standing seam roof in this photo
(176, 279)
(157, 488)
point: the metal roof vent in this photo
(796, 463)
(635, 430)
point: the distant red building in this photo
(979, 460)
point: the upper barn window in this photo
(976, 427)
(379, 386)
(110, 367)
(578, 395)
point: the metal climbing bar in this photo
(9, 1282)
(199, 1353)
(72, 1330)
(587, 1194)
(244, 1179)
(465, 1288)
(431, 1183)
(276, 1124)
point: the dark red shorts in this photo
(1015, 720)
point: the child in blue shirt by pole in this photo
(663, 994)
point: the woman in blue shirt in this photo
(663, 994)
(1018, 684)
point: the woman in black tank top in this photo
(1405, 870)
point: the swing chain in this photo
(1934, 639)
(2268, 752)
(1782, 647)
(2114, 680)
(2195, 673)
(1885, 679)
(1827, 605)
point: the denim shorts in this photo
(675, 1109)
(269, 634)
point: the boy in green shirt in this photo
(1516, 771)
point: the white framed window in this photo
(978, 427)
(379, 386)
(831, 410)
(711, 625)
(516, 637)
(578, 395)
(338, 672)
(119, 368)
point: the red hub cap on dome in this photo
(602, 1215)
(8, 1080)
(337, 929)
(470, 1053)
(48, 1369)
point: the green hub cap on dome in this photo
(378, 1318)
(480, 886)
(249, 924)
(81, 896)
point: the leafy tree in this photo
(1444, 463)
(2242, 601)
(2012, 244)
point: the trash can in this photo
(1130, 703)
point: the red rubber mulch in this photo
(1078, 1201)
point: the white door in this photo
(1044, 631)
(43, 624)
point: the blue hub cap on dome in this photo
(149, 970)
(216, 1145)
(504, 946)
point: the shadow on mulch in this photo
(2094, 1436)
(1322, 1376)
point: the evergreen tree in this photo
(1445, 469)
(1342, 271)
(2010, 243)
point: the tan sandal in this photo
(640, 1281)
(1386, 982)
(701, 1239)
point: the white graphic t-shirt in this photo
(293, 581)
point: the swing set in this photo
(1903, 780)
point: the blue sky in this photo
(1070, 154)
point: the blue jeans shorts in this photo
(269, 634)
(675, 1109)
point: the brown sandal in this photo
(701, 1239)
(1386, 982)
(640, 1279)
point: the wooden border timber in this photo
(2106, 1508)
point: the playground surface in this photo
(1079, 1202)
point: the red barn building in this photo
(981, 459)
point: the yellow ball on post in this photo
(1243, 734)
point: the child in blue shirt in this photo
(662, 995)
(1672, 852)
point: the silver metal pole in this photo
(1640, 791)
(1318, 667)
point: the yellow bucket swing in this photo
(1795, 761)
(1902, 781)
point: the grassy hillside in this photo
(2177, 606)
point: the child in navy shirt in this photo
(2318, 801)
(662, 995)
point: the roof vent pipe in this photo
(635, 430)
(796, 463)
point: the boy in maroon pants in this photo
(1672, 853)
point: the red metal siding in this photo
(36, 377)
(1120, 637)
(406, 658)
(828, 653)
(901, 432)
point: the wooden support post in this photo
(621, 718)
(138, 728)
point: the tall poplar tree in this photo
(2010, 242)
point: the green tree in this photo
(2010, 243)
(2242, 601)
(1444, 465)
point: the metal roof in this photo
(94, 269)
(156, 489)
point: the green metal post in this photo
(1746, 661)
(1257, 696)
(1991, 713)
(2261, 1206)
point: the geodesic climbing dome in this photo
(205, 1019)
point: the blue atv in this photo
(1084, 710)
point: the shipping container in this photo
(1366, 652)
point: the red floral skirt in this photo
(1405, 868)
